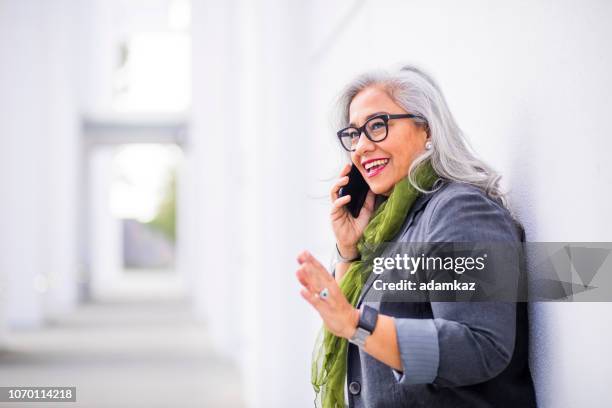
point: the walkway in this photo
(123, 354)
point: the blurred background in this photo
(162, 162)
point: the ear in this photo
(424, 133)
(425, 127)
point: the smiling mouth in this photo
(375, 167)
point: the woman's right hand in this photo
(348, 229)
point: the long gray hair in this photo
(451, 155)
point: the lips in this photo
(375, 166)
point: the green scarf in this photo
(329, 357)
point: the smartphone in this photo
(357, 188)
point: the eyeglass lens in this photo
(375, 129)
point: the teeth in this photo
(376, 163)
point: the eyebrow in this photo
(370, 116)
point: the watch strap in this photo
(360, 336)
(368, 317)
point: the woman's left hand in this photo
(338, 315)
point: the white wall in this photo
(250, 149)
(59, 145)
(19, 135)
(212, 245)
(37, 161)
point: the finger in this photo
(310, 298)
(307, 280)
(304, 256)
(312, 272)
(300, 274)
(346, 169)
(301, 258)
(312, 276)
(318, 277)
(318, 265)
(341, 202)
(335, 190)
(315, 301)
(339, 210)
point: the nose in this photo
(364, 144)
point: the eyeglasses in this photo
(376, 129)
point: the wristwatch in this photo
(367, 322)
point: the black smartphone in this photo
(357, 188)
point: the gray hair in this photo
(451, 155)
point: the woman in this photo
(425, 186)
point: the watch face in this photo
(368, 318)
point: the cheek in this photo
(403, 157)
(401, 167)
(409, 149)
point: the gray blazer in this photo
(454, 354)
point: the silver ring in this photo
(324, 293)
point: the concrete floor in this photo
(123, 354)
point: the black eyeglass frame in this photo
(386, 118)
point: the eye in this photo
(376, 125)
(350, 133)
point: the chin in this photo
(380, 189)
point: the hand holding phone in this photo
(352, 207)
